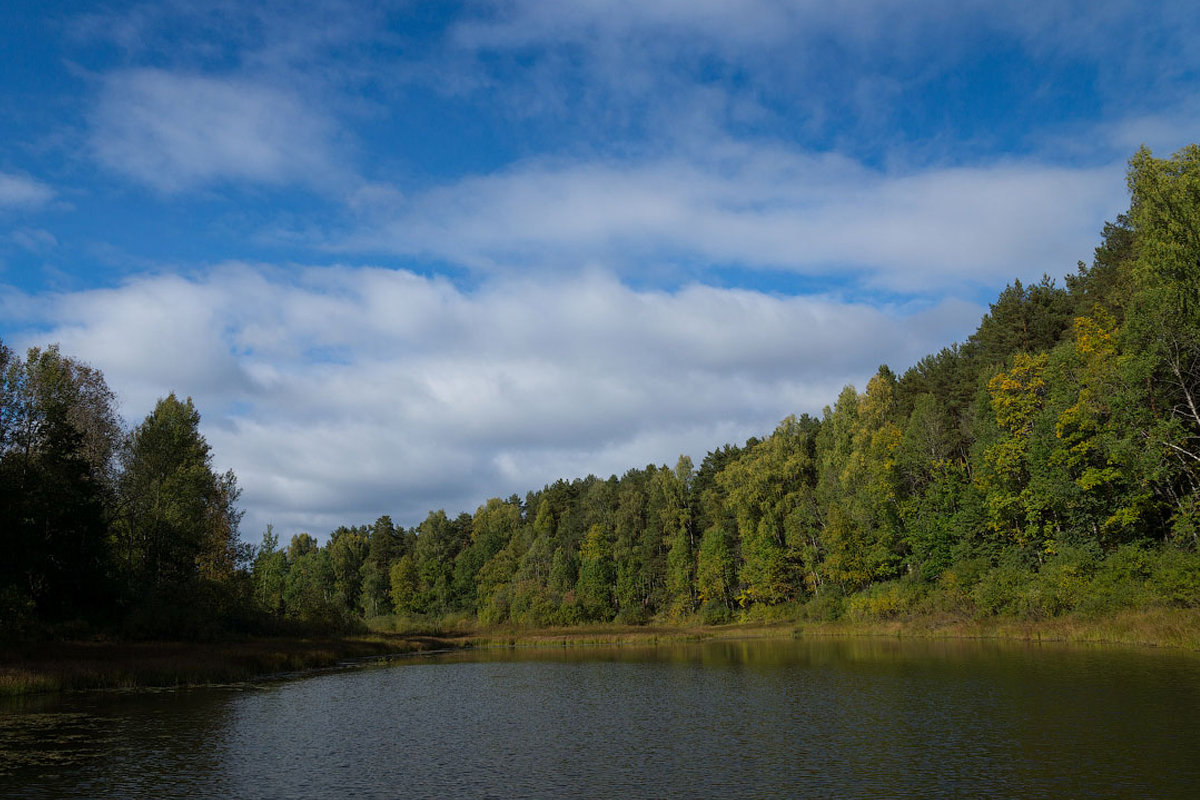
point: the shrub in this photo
(1119, 581)
(1176, 577)
(1003, 590)
(955, 588)
(824, 607)
(886, 600)
(1063, 582)
(715, 612)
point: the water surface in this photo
(804, 718)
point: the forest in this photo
(1049, 464)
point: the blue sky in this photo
(411, 255)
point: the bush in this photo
(1175, 579)
(886, 600)
(571, 611)
(631, 615)
(954, 592)
(1002, 590)
(1063, 583)
(532, 607)
(824, 607)
(715, 612)
(1119, 581)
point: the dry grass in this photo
(53, 667)
(1153, 627)
(69, 666)
(66, 666)
(507, 636)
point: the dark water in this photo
(809, 718)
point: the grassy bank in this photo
(627, 634)
(67, 666)
(1155, 627)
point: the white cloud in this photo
(175, 131)
(33, 240)
(1164, 133)
(880, 27)
(682, 136)
(518, 24)
(339, 394)
(19, 192)
(872, 77)
(766, 208)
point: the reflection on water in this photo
(49, 738)
(812, 718)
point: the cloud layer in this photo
(341, 394)
(571, 237)
(175, 132)
(766, 209)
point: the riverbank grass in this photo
(67, 666)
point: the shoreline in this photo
(60, 667)
(70, 666)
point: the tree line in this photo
(1048, 463)
(101, 527)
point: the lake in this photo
(757, 719)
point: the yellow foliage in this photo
(1017, 394)
(1096, 335)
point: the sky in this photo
(412, 255)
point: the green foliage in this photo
(403, 585)
(770, 493)
(385, 545)
(1002, 590)
(308, 593)
(858, 486)
(1162, 336)
(1063, 582)
(269, 574)
(58, 433)
(885, 601)
(679, 536)
(1023, 319)
(1120, 581)
(715, 612)
(716, 567)
(177, 531)
(1165, 214)
(348, 550)
(438, 542)
(1175, 579)
(597, 576)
